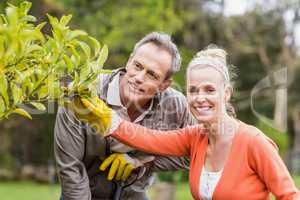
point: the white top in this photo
(208, 183)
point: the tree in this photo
(32, 65)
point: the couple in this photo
(228, 158)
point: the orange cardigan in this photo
(253, 169)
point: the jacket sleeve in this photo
(166, 143)
(173, 163)
(69, 148)
(265, 160)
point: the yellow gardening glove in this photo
(93, 111)
(121, 166)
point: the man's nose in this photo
(140, 77)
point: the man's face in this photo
(146, 74)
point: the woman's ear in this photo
(228, 92)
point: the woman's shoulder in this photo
(252, 134)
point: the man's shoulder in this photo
(171, 98)
(173, 92)
(173, 95)
(103, 79)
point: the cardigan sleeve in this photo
(265, 160)
(166, 143)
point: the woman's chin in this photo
(206, 119)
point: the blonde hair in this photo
(214, 57)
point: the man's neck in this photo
(134, 110)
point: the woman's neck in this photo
(222, 131)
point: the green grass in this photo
(28, 191)
(297, 181)
(183, 192)
(35, 191)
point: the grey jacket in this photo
(79, 150)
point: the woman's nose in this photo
(200, 98)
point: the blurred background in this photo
(262, 39)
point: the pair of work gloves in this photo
(101, 118)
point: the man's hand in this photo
(92, 111)
(121, 166)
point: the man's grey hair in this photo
(162, 40)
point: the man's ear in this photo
(128, 61)
(165, 85)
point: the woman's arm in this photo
(168, 143)
(271, 169)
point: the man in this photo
(139, 93)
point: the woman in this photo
(229, 159)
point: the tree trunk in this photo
(280, 114)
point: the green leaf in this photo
(22, 112)
(16, 93)
(27, 86)
(86, 49)
(53, 87)
(89, 80)
(38, 105)
(64, 20)
(41, 25)
(12, 15)
(2, 107)
(104, 71)
(33, 47)
(42, 92)
(69, 63)
(103, 56)
(25, 6)
(3, 90)
(30, 18)
(84, 72)
(53, 20)
(3, 17)
(74, 53)
(96, 44)
(2, 48)
(54, 91)
(74, 34)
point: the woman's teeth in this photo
(204, 109)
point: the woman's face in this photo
(206, 94)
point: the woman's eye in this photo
(192, 90)
(210, 90)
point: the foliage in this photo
(281, 139)
(34, 67)
(120, 24)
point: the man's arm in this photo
(69, 148)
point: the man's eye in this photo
(152, 76)
(138, 66)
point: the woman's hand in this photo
(93, 111)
